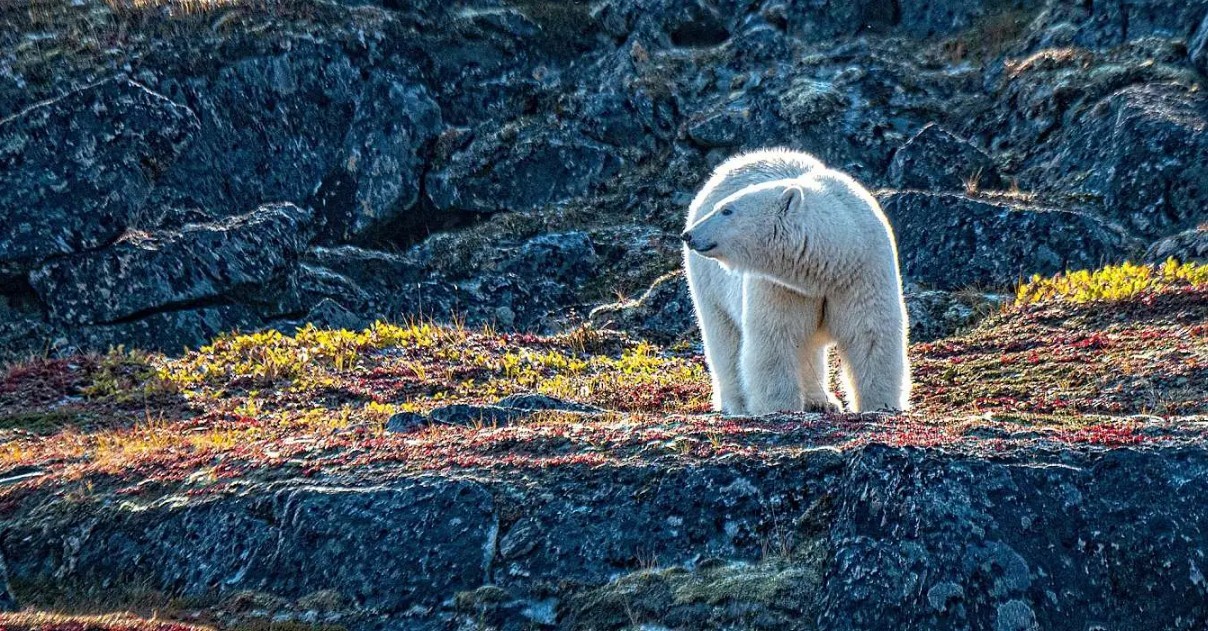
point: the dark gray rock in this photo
(7, 602)
(877, 537)
(172, 332)
(808, 101)
(271, 128)
(505, 412)
(1107, 23)
(316, 284)
(76, 171)
(1197, 48)
(353, 145)
(1026, 534)
(726, 128)
(526, 285)
(666, 23)
(373, 271)
(378, 177)
(563, 257)
(936, 160)
(931, 18)
(387, 548)
(533, 402)
(951, 241)
(663, 314)
(329, 314)
(520, 168)
(462, 414)
(1186, 247)
(144, 273)
(404, 422)
(1144, 151)
(934, 314)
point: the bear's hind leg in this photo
(814, 376)
(876, 372)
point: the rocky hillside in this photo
(172, 169)
(1051, 476)
(365, 315)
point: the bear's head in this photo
(754, 228)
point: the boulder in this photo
(666, 23)
(521, 167)
(376, 180)
(1108, 23)
(296, 540)
(76, 171)
(951, 241)
(1186, 247)
(171, 332)
(462, 414)
(351, 144)
(1198, 47)
(663, 314)
(532, 402)
(936, 160)
(1143, 151)
(404, 422)
(147, 272)
(934, 314)
(329, 314)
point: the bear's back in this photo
(746, 169)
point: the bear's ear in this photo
(790, 199)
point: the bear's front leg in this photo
(773, 338)
(722, 341)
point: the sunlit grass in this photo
(40, 621)
(272, 404)
(1114, 282)
(177, 7)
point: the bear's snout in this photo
(696, 244)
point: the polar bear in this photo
(786, 258)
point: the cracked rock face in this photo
(936, 160)
(1186, 247)
(76, 171)
(877, 537)
(318, 126)
(413, 543)
(952, 241)
(406, 126)
(156, 271)
(513, 170)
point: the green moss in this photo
(43, 422)
(719, 596)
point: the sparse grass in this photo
(1112, 283)
(987, 38)
(268, 405)
(38, 621)
(973, 183)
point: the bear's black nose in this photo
(687, 239)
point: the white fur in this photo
(803, 260)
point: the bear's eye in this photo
(727, 212)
